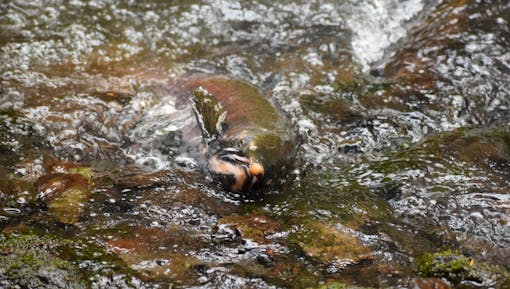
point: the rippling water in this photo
(401, 108)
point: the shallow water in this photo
(401, 109)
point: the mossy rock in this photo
(65, 195)
(462, 271)
(26, 261)
(253, 226)
(457, 151)
(472, 145)
(156, 254)
(331, 246)
(30, 260)
(453, 267)
(14, 188)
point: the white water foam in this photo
(376, 24)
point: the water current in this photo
(401, 110)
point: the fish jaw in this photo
(234, 172)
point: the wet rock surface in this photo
(402, 154)
(32, 261)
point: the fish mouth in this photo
(234, 171)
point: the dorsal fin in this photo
(209, 113)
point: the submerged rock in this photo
(333, 248)
(26, 262)
(462, 271)
(255, 227)
(18, 138)
(30, 260)
(65, 194)
(430, 283)
(17, 196)
(156, 254)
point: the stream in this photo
(400, 171)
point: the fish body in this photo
(256, 144)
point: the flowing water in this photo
(401, 110)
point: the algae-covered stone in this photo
(157, 254)
(255, 227)
(448, 184)
(26, 262)
(488, 147)
(65, 195)
(331, 246)
(30, 260)
(449, 265)
(462, 271)
(15, 193)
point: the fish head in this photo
(234, 171)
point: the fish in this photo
(249, 144)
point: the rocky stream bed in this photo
(400, 176)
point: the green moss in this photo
(28, 262)
(457, 268)
(85, 172)
(327, 245)
(447, 264)
(33, 261)
(68, 207)
(14, 188)
(354, 85)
